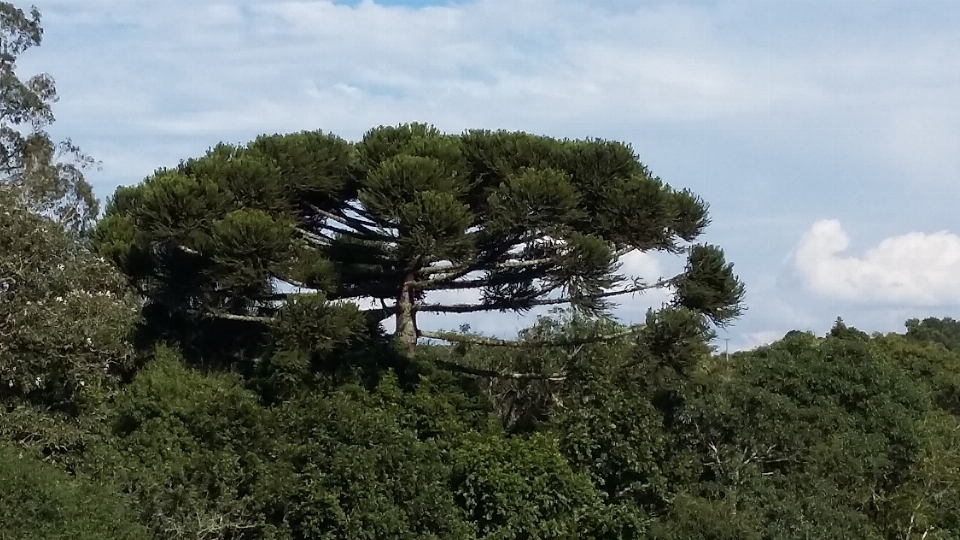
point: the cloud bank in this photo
(914, 269)
(172, 78)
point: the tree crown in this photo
(525, 220)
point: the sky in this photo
(824, 134)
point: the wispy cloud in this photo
(215, 69)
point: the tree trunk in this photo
(406, 324)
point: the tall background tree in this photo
(523, 220)
(47, 176)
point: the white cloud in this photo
(914, 269)
(640, 264)
(286, 64)
(647, 267)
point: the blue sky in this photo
(824, 134)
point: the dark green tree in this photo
(944, 331)
(518, 488)
(810, 438)
(408, 211)
(39, 502)
(47, 177)
(189, 447)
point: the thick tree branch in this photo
(381, 313)
(330, 215)
(451, 283)
(494, 374)
(522, 376)
(185, 249)
(476, 267)
(638, 288)
(367, 215)
(359, 230)
(473, 308)
(449, 280)
(528, 343)
(314, 238)
(375, 315)
(488, 262)
(492, 306)
(363, 237)
(241, 318)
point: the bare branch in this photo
(381, 313)
(201, 525)
(330, 215)
(442, 269)
(506, 265)
(185, 249)
(315, 238)
(241, 318)
(476, 340)
(473, 308)
(494, 374)
(638, 287)
(359, 230)
(363, 237)
(528, 343)
(520, 376)
(486, 263)
(364, 214)
(450, 282)
(376, 315)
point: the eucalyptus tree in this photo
(47, 176)
(520, 220)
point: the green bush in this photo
(39, 502)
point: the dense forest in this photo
(206, 359)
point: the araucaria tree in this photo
(405, 212)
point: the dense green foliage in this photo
(39, 501)
(337, 435)
(330, 432)
(318, 427)
(653, 436)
